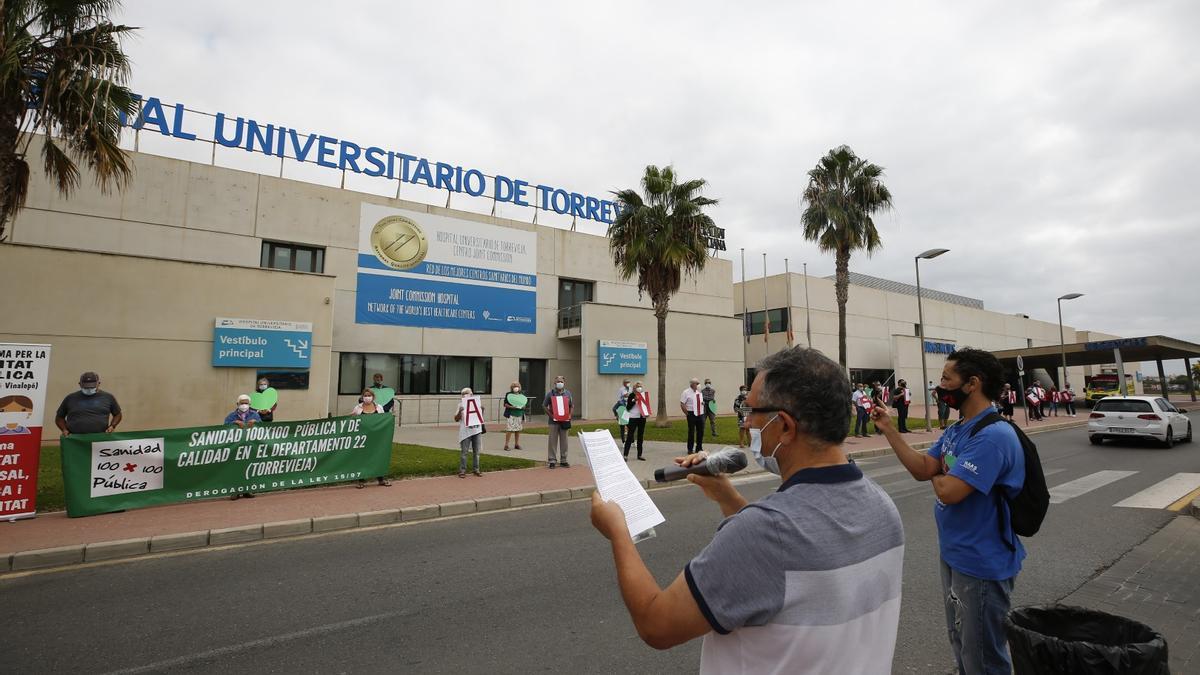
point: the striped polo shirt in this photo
(805, 580)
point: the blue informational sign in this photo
(418, 269)
(621, 357)
(939, 347)
(256, 343)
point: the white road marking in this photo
(1163, 493)
(1081, 486)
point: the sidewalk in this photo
(53, 539)
(1156, 583)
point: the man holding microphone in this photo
(780, 588)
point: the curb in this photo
(124, 549)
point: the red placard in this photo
(23, 379)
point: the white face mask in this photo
(769, 463)
(560, 385)
(243, 407)
(516, 390)
(15, 419)
(641, 390)
(88, 391)
(368, 399)
(262, 387)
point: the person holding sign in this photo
(691, 402)
(559, 407)
(637, 405)
(385, 396)
(903, 398)
(470, 430)
(369, 407)
(514, 414)
(243, 416)
(622, 397)
(264, 400)
(805, 580)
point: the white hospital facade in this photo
(131, 284)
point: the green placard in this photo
(384, 395)
(129, 470)
(519, 400)
(622, 415)
(265, 399)
(712, 407)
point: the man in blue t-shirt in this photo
(980, 554)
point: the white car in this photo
(1115, 417)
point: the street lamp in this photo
(1062, 347)
(927, 255)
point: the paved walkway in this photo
(1156, 583)
(74, 540)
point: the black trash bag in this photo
(1064, 639)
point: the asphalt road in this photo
(514, 592)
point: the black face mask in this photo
(952, 397)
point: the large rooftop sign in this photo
(278, 141)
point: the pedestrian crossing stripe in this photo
(1080, 486)
(1163, 493)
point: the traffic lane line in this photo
(1163, 493)
(1084, 485)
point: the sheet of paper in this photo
(616, 483)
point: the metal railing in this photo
(440, 410)
(570, 317)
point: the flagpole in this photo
(787, 277)
(807, 318)
(745, 320)
(766, 312)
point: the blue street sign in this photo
(256, 343)
(621, 357)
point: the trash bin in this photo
(1064, 639)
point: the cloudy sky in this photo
(1052, 147)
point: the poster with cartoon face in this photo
(23, 379)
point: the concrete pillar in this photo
(1187, 368)
(1162, 380)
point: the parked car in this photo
(1126, 417)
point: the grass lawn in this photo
(408, 461)
(727, 432)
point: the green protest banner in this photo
(129, 470)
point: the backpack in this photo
(1028, 509)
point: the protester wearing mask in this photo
(368, 406)
(243, 417)
(980, 555)
(514, 415)
(780, 587)
(691, 403)
(638, 405)
(740, 407)
(559, 408)
(266, 394)
(709, 394)
(89, 410)
(622, 395)
(470, 430)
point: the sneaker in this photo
(550, 465)
(462, 474)
(565, 464)
(506, 448)
(480, 474)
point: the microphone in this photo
(726, 460)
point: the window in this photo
(295, 257)
(415, 373)
(572, 293)
(1029, 342)
(779, 321)
(1122, 405)
(917, 329)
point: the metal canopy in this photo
(1150, 348)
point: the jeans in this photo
(975, 611)
(712, 418)
(469, 444)
(860, 422)
(902, 416)
(695, 442)
(637, 425)
(1070, 405)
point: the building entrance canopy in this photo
(1155, 348)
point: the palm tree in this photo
(62, 72)
(843, 192)
(660, 237)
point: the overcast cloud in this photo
(1053, 147)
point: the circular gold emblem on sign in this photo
(399, 242)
